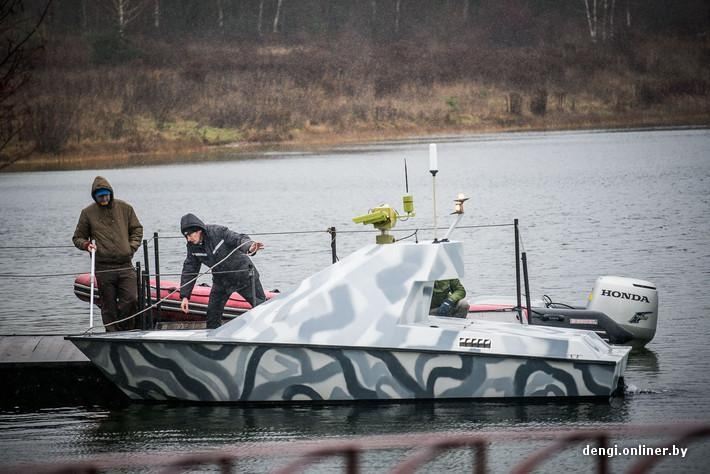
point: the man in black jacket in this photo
(212, 244)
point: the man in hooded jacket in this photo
(113, 225)
(212, 244)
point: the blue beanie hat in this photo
(102, 192)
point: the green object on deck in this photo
(384, 218)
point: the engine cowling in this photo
(632, 303)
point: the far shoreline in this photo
(177, 153)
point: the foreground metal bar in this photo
(427, 446)
(430, 452)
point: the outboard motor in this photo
(631, 303)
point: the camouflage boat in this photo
(360, 330)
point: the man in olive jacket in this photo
(448, 299)
(113, 225)
(229, 250)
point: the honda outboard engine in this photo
(631, 303)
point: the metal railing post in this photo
(253, 285)
(148, 315)
(333, 248)
(517, 270)
(146, 261)
(139, 283)
(352, 465)
(480, 458)
(527, 285)
(141, 293)
(156, 252)
(603, 466)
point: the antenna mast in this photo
(433, 169)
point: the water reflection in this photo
(270, 423)
(643, 362)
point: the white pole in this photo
(453, 226)
(91, 297)
(458, 210)
(433, 169)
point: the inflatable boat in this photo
(170, 308)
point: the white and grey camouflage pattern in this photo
(360, 329)
(154, 370)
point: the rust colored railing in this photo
(425, 446)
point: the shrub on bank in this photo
(213, 92)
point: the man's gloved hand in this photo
(445, 308)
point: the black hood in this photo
(191, 220)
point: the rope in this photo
(17, 247)
(356, 231)
(155, 305)
(179, 274)
(150, 241)
(41, 247)
(46, 275)
(413, 232)
(262, 233)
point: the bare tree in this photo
(600, 18)
(125, 12)
(18, 29)
(628, 15)
(220, 16)
(397, 12)
(84, 16)
(156, 14)
(610, 16)
(261, 16)
(277, 15)
(591, 18)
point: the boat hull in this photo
(214, 372)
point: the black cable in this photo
(551, 304)
(413, 234)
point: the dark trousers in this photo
(119, 297)
(223, 288)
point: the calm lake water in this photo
(631, 204)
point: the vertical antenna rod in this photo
(406, 178)
(433, 169)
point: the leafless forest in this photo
(87, 78)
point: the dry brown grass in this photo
(205, 94)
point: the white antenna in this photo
(433, 169)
